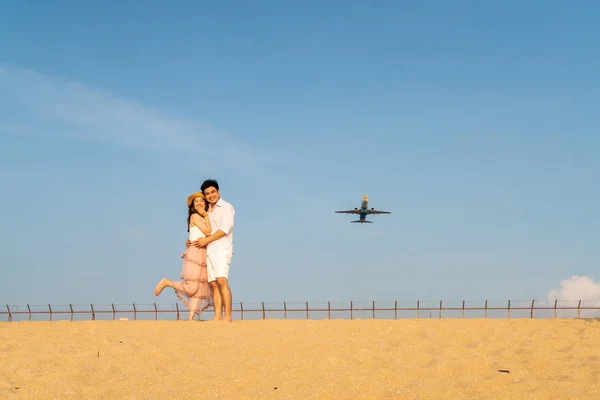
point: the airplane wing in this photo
(348, 212)
(378, 212)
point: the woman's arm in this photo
(203, 223)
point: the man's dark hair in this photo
(208, 183)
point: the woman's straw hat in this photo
(193, 196)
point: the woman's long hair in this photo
(192, 210)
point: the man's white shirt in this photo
(221, 219)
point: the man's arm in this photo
(223, 228)
(209, 239)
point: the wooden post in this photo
(463, 310)
(440, 309)
(10, 315)
(284, 310)
(418, 309)
(177, 310)
(486, 313)
(396, 309)
(329, 310)
(351, 310)
(373, 309)
(93, 312)
(307, 310)
(155, 312)
(555, 303)
(50, 309)
(114, 311)
(263, 310)
(71, 308)
(579, 309)
(509, 309)
(241, 311)
(134, 312)
(28, 308)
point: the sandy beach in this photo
(314, 359)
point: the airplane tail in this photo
(363, 222)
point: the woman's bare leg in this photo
(164, 282)
(194, 302)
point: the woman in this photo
(194, 291)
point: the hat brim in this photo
(192, 196)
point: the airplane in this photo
(363, 211)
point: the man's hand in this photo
(202, 242)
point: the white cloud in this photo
(35, 104)
(574, 289)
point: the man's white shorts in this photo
(217, 265)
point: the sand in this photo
(314, 359)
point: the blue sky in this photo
(476, 124)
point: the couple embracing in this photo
(206, 261)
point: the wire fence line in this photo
(314, 310)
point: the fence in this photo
(285, 310)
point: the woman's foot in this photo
(164, 282)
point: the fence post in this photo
(50, 309)
(373, 309)
(418, 310)
(177, 311)
(508, 309)
(579, 309)
(284, 310)
(463, 310)
(114, 311)
(155, 312)
(350, 309)
(134, 312)
(395, 309)
(29, 309)
(71, 307)
(10, 315)
(555, 303)
(329, 310)
(93, 312)
(486, 314)
(307, 310)
(532, 301)
(241, 311)
(263, 310)
(440, 309)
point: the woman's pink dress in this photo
(195, 275)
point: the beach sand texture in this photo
(310, 359)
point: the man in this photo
(219, 247)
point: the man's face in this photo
(212, 195)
